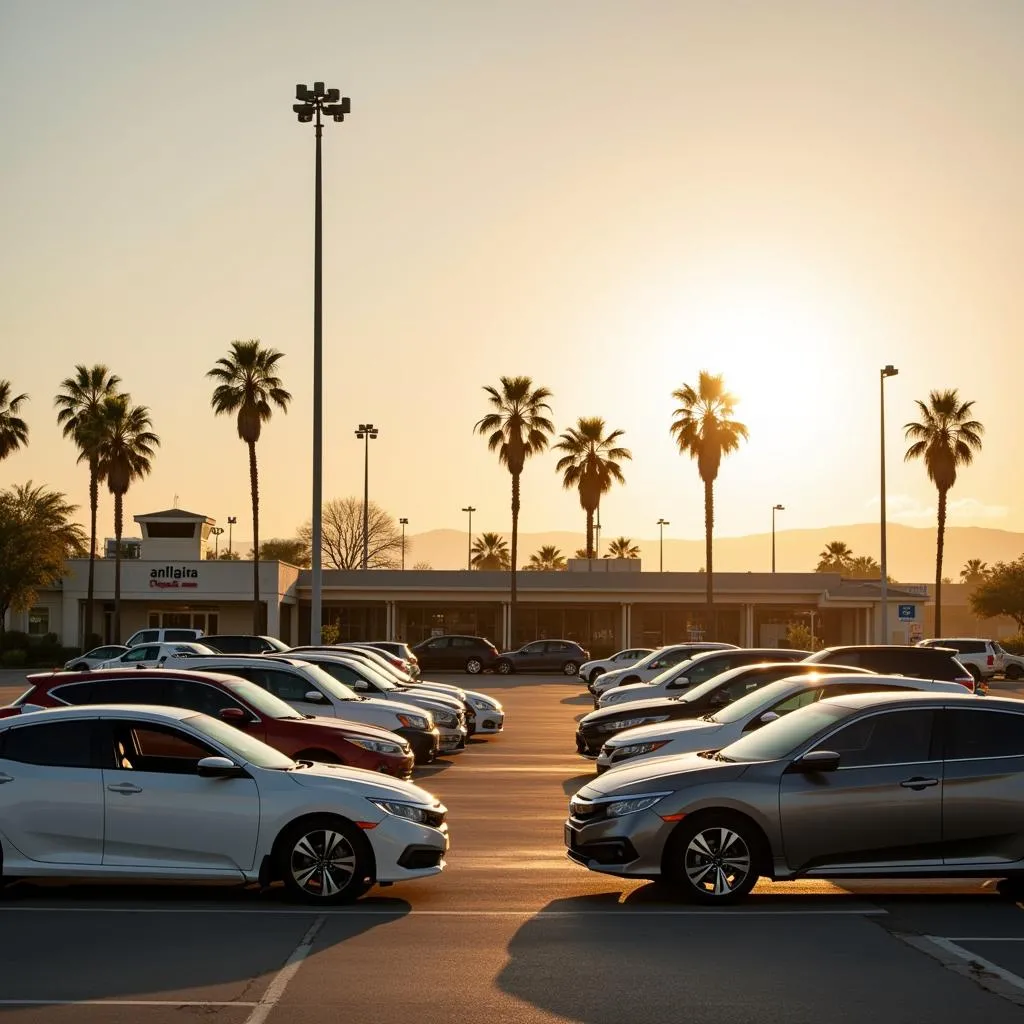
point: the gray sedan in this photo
(869, 785)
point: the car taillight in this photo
(990, 660)
(967, 681)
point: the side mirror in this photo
(768, 716)
(361, 685)
(314, 697)
(816, 761)
(219, 767)
(679, 683)
(232, 714)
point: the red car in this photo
(243, 704)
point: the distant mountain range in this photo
(911, 553)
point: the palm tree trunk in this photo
(709, 529)
(94, 502)
(514, 555)
(118, 526)
(590, 533)
(939, 543)
(254, 487)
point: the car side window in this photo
(798, 700)
(557, 647)
(199, 697)
(974, 734)
(891, 737)
(534, 648)
(158, 748)
(136, 654)
(54, 744)
(149, 636)
(115, 691)
(283, 684)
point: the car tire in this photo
(570, 668)
(719, 849)
(1011, 888)
(504, 667)
(595, 673)
(1014, 672)
(324, 860)
(474, 666)
(975, 671)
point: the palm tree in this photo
(79, 403)
(13, 430)
(580, 553)
(516, 428)
(124, 446)
(864, 567)
(974, 571)
(622, 547)
(591, 464)
(836, 557)
(945, 438)
(705, 430)
(490, 551)
(249, 387)
(547, 559)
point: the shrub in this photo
(329, 634)
(50, 640)
(13, 658)
(1013, 644)
(15, 640)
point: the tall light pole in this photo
(312, 103)
(366, 433)
(775, 508)
(887, 371)
(216, 531)
(662, 523)
(231, 522)
(405, 523)
(469, 537)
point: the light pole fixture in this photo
(469, 537)
(216, 531)
(662, 523)
(366, 433)
(887, 371)
(405, 523)
(775, 508)
(312, 104)
(231, 522)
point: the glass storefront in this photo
(418, 622)
(593, 627)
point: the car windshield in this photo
(750, 703)
(378, 672)
(782, 737)
(265, 703)
(242, 745)
(718, 680)
(321, 672)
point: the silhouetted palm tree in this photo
(622, 547)
(864, 567)
(946, 437)
(490, 551)
(248, 387)
(974, 571)
(13, 430)
(547, 559)
(516, 429)
(705, 430)
(79, 404)
(580, 553)
(591, 465)
(124, 446)
(836, 557)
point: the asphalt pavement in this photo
(512, 931)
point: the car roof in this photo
(856, 701)
(59, 678)
(147, 712)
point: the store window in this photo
(39, 622)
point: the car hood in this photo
(454, 691)
(434, 697)
(612, 675)
(670, 773)
(666, 731)
(360, 729)
(372, 785)
(377, 704)
(634, 691)
(653, 706)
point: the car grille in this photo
(584, 810)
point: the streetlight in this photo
(469, 536)
(775, 508)
(231, 522)
(887, 371)
(405, 523)
(216, 531)
(312, 103)
(662, 523)
(366, 433)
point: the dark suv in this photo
(915, 662)
(473, 654)
(241, 643)
(563, 656)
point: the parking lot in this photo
(512, 930)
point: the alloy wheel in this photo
(504, 667)
(717, 861)
(473, 666)
(570, 668)
(322, 863)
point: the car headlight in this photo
(446, 718)
(482, 704)
(618, 724)
(632, 804)
(379, 746)
(635, 749)
(410, 811)
(415, 721)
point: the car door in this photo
(883, 805)
(162, 815)
(556, 654)
(983, 787)
(140, 656)
(51, 791)
(531, 657)
(435, 654)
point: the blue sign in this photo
(907, 612)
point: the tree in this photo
(342, 535)
(1001, 592)
(546, 559)
(622, 547)
(591, 465)
(36, 539)
(423, 566)
(293, 550)
(490, 551)
(248, 388)
(945, 438)
(705, 430)
(13, 429)
(836, 557)
(79, 405)
(974, 571)
(581, 553)
(863, 567)
(124, 446)
(516, 428)
(229, 556)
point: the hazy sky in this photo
(606, 196)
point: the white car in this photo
(728, 724)
(1013, 664)
(95, 657)
(650, 666)
(154, 655)
(590, 670)
(146, 794)
(168, 635)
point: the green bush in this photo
(49, 640)
(13, 659)
(15, 640)
(1013, 644)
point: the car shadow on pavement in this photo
(577, 782)
(582, 698)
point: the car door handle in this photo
(5, 778)
(127, 788)
(919, 783)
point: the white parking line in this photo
(275, 990)
(976, 962)
(127, 1002)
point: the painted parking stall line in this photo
(276, 988)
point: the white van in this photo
(162, 636)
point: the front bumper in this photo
(630, 846)
(589, 744)
(425, 743)
(404, 849)
(451, 741)
(489, 722)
